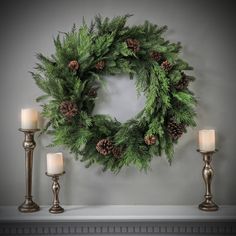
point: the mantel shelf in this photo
(119, 213)
(120, 220)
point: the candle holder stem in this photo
(56, 208)
(29, 144)
(207, 174)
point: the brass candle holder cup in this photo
(56, 208)
(207, 174)
(29, 144)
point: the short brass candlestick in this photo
(56, 208)
(29, 144)
(207, 174)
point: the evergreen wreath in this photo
(71, 77)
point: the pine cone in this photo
(166, 66)
(150, 139)
(117, 152)
(69, 109)
(73, 65)
(133, 44)
(183, 83)
(175, 130)
(156, 56)
(104, 147)
(92, 92)
(100, 65)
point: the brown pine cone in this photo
(69, 109)
(117, 152)
(183, 83)
(92, 92)
(156, 56)
(100, 65)
(175, 130)
(150, 139)
(166, 66)
(133, 44)
(73, 65)
(104, 147)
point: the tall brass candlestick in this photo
(207, 174)
(56, 208)
(29, 144)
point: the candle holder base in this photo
(29, 144)
(208, 206)
(56, 209)
(207, 174)
(28, 206)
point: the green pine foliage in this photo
(105, 41)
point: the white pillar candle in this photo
(29, 118)
(207, 140)
(55, 163)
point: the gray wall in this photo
(207, 31)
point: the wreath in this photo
(71, 77)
